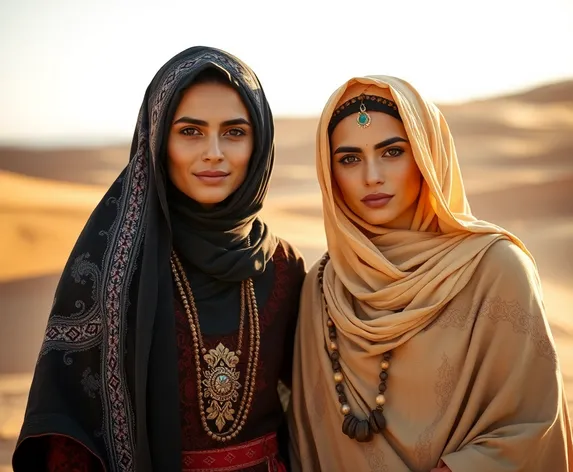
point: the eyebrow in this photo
(195, 121)
(381, 144)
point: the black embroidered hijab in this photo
(107, 371)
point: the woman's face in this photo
(210, 143)
(375, 170)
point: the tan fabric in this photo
(474, 377)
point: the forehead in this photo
(382, 126)
(212, 98)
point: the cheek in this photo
(176, 152)
(412, 178)
(178, 163)
(240, 157)
(341, 179)
(174, 159)
(243, 164)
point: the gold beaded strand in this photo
(222, 361)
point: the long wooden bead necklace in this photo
(354, 428)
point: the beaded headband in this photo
(358, 105)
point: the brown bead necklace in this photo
(361, 430)
(218, 383)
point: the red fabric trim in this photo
(248, 454)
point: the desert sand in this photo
(516, 154)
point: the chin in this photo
(208, 198)
(377, 220)
(209, 201)
(379, 217)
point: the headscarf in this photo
(107, 371)
(228, 242)
(474, 378)
(400, 279)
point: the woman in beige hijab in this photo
(423, 343)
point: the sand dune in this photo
(41, 219)
(516, 154)
(94, 165)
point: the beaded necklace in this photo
(354, 428)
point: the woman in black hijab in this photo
(174, 318)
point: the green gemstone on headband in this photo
(363, 119)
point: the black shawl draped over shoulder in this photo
(107, 370)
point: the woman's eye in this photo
(394, 152)
(349, 159)
(189, 131)
(236, 132)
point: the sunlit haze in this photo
(78, 70)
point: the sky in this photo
(77, 70)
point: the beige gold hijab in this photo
(400, 279)
(478, 385)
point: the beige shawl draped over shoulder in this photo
(474, 378)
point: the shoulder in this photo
(506, 266)
(312, 272)
(291, 254)
(504, 259)
(311, 284)
(507, 296)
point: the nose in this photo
(373, 172)
(213, 152)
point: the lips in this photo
(211, 177)
(377, 200)
(212, 173)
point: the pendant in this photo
(363, 118)
(221, 384)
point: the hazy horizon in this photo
(92, 139)
(74, 70)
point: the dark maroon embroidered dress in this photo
(277, 322)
